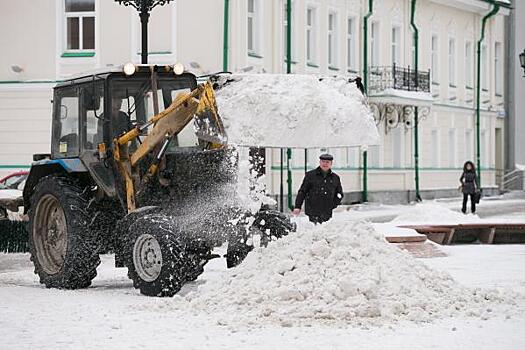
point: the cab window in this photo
(66, 124)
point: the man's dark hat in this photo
(326, 156)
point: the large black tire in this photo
(155, 256)
(63, 250)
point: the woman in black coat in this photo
(469, 186)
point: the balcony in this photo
(394, 92)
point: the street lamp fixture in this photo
(522, 60)
(144, 7)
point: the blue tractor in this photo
(139, 166)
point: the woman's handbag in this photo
(478, 195)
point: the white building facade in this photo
(69, 36)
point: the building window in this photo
(396, 48)
(80, 25)
(332, 40)
(374, 156)
(350, 45)
(452, 62)
(435, 59)
(374, 44)
(452, 148)
(498, 69)
(285, 31)
(398, 149)
(310, 35)
(468, 64)
(483, 148)
(435, 147)
(253, 26)
(484, 69)
(468, 144)
(352, 157)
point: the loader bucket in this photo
(208, 124)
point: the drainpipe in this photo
(416, 111)
(365, 176)
(288, 71)
(365, 81)
(225, 35)
(495, 9)
(365, 44)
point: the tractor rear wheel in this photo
(63, 250)
(155, 257)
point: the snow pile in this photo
(306, 111)
(336, 274)
(434, 214)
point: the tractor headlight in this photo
(178, 68)
(129, 68)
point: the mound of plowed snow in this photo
(277, 110)
(337, 274)
(434, 214)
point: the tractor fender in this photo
(45, 167)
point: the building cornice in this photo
(476, 6)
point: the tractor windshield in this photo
(133, 103)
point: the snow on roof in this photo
(295, 111)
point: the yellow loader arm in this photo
(199, 103)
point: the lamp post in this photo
(522, 60)
(144, 7)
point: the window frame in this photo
(498, 68)
(484, 68)
(469, 76)
(452, 58)
(434, 58)
(375, 45)
(80, 15)
(395, 45)
(256, 32)
(452, 150)
(68, 91)
(333, 40)
(310, 37)
(351, 44)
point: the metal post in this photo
(416, 111)
(492, 12)
(365, 176)
(289, 37)
(226, 35)
(281, 188)
(365, 44)
(288, 71)
(289, 176)
(144, 17)
(365, 81)
(144, 7)
(305, 160)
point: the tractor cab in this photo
(95, 109)
(91, 112)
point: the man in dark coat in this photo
(321, 188)
(469, 186)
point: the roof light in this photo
(178, 68)
(129, 68)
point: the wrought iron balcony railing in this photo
(398, 78)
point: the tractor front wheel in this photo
(155, 257)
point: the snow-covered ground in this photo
(112, 315)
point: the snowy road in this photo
(112, 315)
